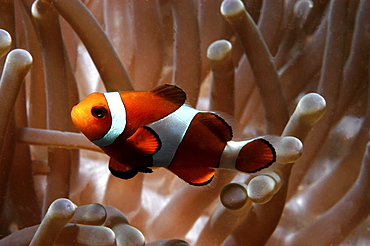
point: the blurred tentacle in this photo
(86, 235)
(339, 180)
(60, 139)
(117, 16)
(57, 97)
(7, 163)
(111, 69)
(234, 208)
(5, 42)
(353, 209)
(304, 64)
(315, 15)
(131, 189)
(270, 25)
(293, 36)
(36, 84)
(209, 16)
(125, 233)
(149, 47)
(7, 152)
(355, 74)
(245, 87)
(57, 216)
(312, 55)
(307, 113)
(187, 62)
(21, 238)
(91, 214)
(222, 84)
(331, 77)
(17, 64)
(264, 222)
(309, 110)
(167, 242)
(179, 207)
(263, 187)
(265, 73)
(23, 194)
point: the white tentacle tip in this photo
(219, 50)
(5, 42)
(62, 208)
(232, 7)
(234, 196)
(40, 9)
(312, 105)
(261, 189)
(288, 149)
(20, 57)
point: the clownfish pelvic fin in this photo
(123, 171)
(248, 156)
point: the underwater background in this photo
(292, 68)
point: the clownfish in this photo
(142, 130)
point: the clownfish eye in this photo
(99, 112)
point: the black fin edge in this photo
(156, 136)
(200, 184)
(165, 87)
(225, 123)
(273, 153)
(131, 173)
(144, 169)
(124, 175)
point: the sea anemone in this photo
(297, 68)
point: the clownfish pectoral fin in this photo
(145, 140)
(194, 176)
(120, 170)
(255, 155)
(171, 93)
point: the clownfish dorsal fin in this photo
(120, 170)
(145, 140)
(194, 176)
(217, 125)
(171, 93)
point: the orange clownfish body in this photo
(147, 129)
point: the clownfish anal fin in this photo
(120, 170)
(145, 140)
(194, 176)
(255, 155)
(144, 169)
(217, 125)
(171, 93)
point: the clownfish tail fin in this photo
(171, 93)
(255, 155)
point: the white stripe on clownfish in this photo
(231, 153)
(171, 130)
(118, 113)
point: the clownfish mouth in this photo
(80, 120)
(75, 116)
